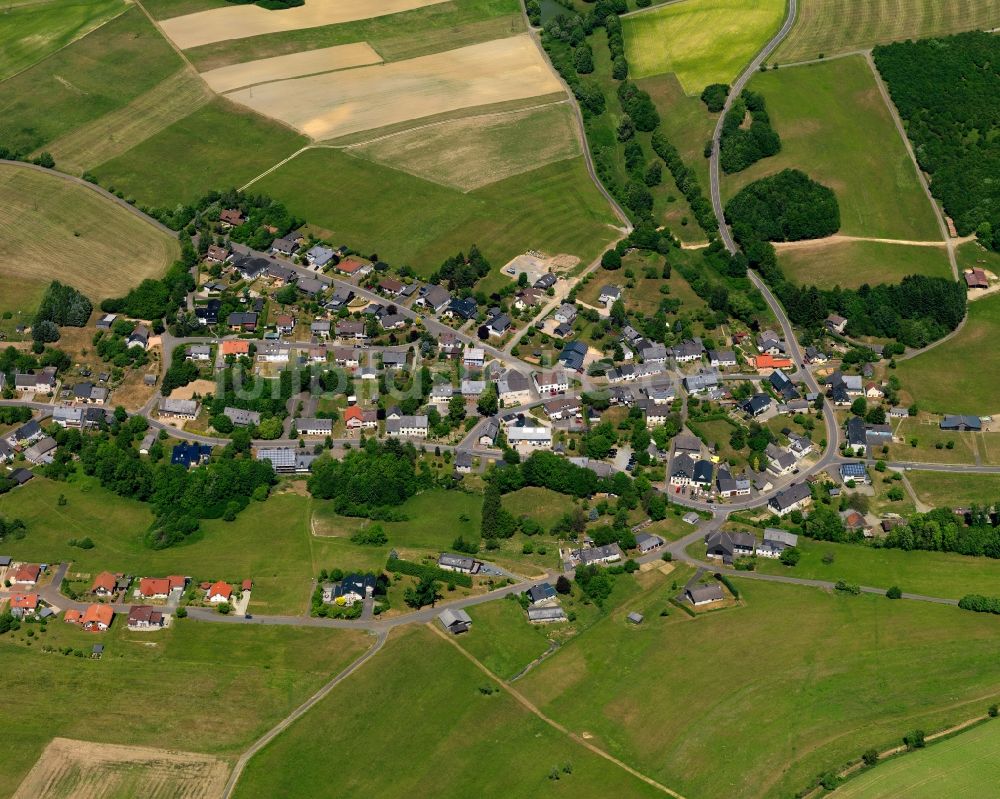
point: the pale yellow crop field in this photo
(282, 67)
(339, 103)
(241, 21)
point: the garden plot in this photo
(296, 65)
(241, 21)
(336, 104)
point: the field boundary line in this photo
(280, 163)
(837, 238)
(810, 61)
(95, 188)
(532, 708)
(76, 39)
(938, 212)
(296, 714)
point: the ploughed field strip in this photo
(69, 769)
(310, 62)
(120, 130)
(336, 104)
(242, 21)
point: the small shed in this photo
(634, 618)
(97, 652)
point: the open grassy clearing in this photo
(226, 685)
(502, 638)
(555, 208)
(942, 489)
(268, 542)
(470, 153)
(32, 31)
(685, 121)
(854, 672)
(542, 504)
(243, 21)
(928, 434)
(53, 229)
(69, 768)
(827, 27)
(406, 34)
(701, 41)
(92, 77)
(959, 376)
(119, 131)
(337, 104)
(972, 255)
(964, 765)
(850, 264)
(219, 146)
(327, 59)
(433, 714)
(835, 126)
(943, 574)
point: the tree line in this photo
(741, 146)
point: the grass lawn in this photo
(838, 26)
(964, 765)
(408, 34)
(853, 672)
(701, 41)
(971, 255)
(219, 146)
(958, 376)
(850, 264)
(212, 688)
(93, 76)
(268, 542)
(430, 711)
(941, 489)
(412, 221)
(53, 229)
(929, 434)
(835, 126)
(542, 504)
(684, 119)
(503, 639)
(33, 31)
(943, 574)
(717, 433)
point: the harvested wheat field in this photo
(282, 67)
(336, 104)
(476, 151)
(54, 229)
(241, 21)
(119, 131)
(71, 769)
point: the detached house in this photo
(792, 498)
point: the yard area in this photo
(928, 434)
(942, 574)
(958, 376)
(855, 672)
(835, 126)
(235, 681)
(464, 731)
(850, 264)
(269, 542)
(944, 490)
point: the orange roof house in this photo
(24, 602)
(97, 618)
(235, 347)
(220, 592)
(72, 616)
(27, 573)
(766, 361)
(353, 414)
(350, 266)
(104, 584)
(160, 586)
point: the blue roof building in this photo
(188, 453)
(572, 355)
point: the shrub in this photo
(847, 588)
(914, 740)
(870, 757)
(895, 592)
(790, 556)
(372, 535)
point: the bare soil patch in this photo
(282, 67)
(239, 22)
(336, 104)
(200, 387)
(70, 769)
